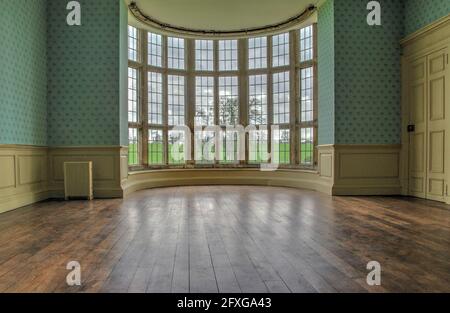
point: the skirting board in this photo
(21, 200)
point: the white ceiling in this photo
(222, 15)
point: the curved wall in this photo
(342, 170)
(195, 177)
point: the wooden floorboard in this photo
(227, 239)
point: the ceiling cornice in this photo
(166, 27)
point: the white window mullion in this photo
(295, 100)
(270, 57)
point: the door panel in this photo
(437, 99)
(437, 62)
(437, 125)
(436, 188)
(437, 145)
(417, 144)
(418, 103)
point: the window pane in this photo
(133, 147)
(257, 53)
(307, 146)
(228, 55)
(281, 146)
(229, 147)
(204, 55)
(258, 100)
(307, 94)
(257, 146)
(281, 98)
(204, 101)
(154, 49)
(204, 147)
(306, 44)
(133, 43)
(155, 98)
(155, 147)
(176, 147)
(132, 95)
(280, 50)
(175, 53)
(228, 101)
(176, 100)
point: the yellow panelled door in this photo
(429, 102)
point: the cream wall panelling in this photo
(23, 176)
(108, 172)
(366, 170)
(31, 174)
(342, 170)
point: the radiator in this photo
(78, 180)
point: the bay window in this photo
(242, 102)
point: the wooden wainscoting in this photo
(123, 165)
(107, 169)
(326, 168)
(23, 175)
(31, 174)
(367, 170)
(360, 169)
(343, 170)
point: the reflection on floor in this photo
(227, 239)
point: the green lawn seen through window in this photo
(156, 158)
(133, 154)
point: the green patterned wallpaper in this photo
(359, 71)
(23, 77)
(325, 39)
(84, 67)
(123, 74)
(420, 13)
(367, 73)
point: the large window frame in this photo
(295, 125)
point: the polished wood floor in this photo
(227, 239)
